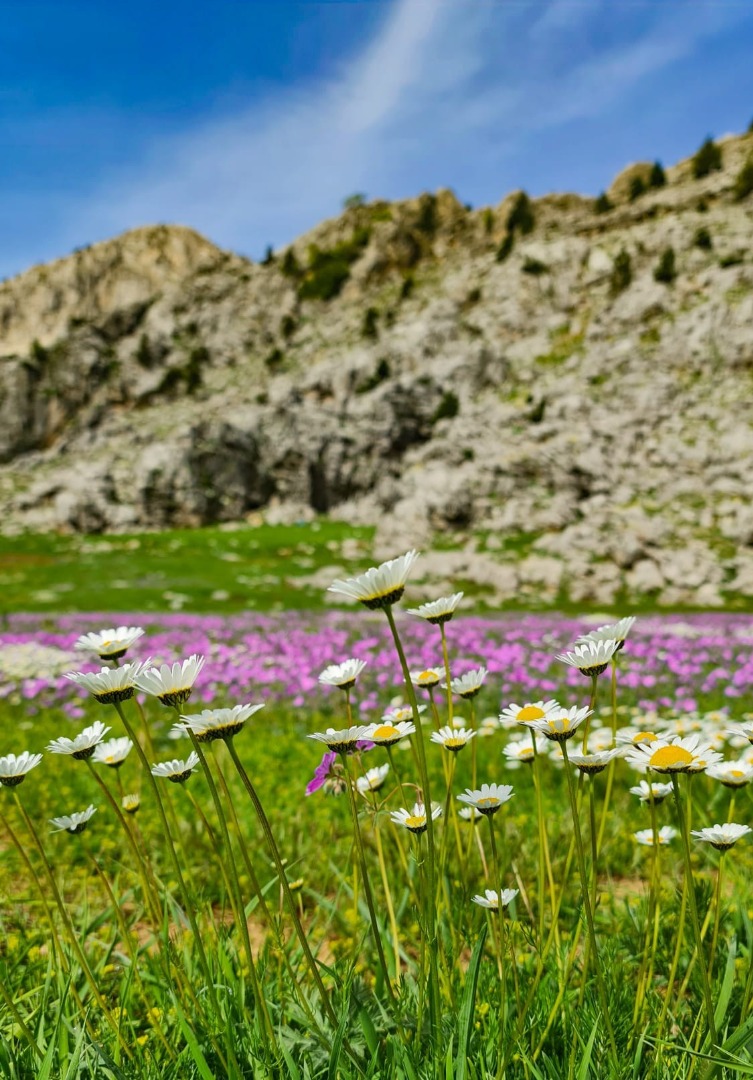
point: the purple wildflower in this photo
(321, 773)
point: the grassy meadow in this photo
(233, 925)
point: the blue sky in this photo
(251, 120)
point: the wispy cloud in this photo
(447, 91)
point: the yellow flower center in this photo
(530, 712)
(386, 731)
(667, 756)
(486, 803)
(454, 741)
(736, 772)
(427, 676)
(644, 736)
(415, 822)
(562, 723)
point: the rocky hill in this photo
(566, 382)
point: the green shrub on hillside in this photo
(602, 204)
(702, 239)
(744, 181)
(534, 267)
(290, 265)
(352, 201)
(329, 269)
(488, 220)
(707, 159)
(657, 177)
(505, 247)
(637, 188)
(369, 326)
(448, 407)
(622, 273)
(521, 216)
(427, 214)
(666, 271)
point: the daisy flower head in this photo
(648, 838)
(495, 901)
(415, 820)
(381, 586)
(212, 724)
(400, 713)
(591, 764)
(679, 755)
(343, 675)
(110, 685)
(524, 714)
(130, 803)
(521, 751)
(113, 752)
(171, 685)
(343, 741)
(468, 685)
(590, 657)
(176, 771)
(651, 793)
(487, 799)
(13, 769)
(110, 644)
(427, 678)
(612, 632)
(743, 731)
(84, 745)
(452, 739)
(631, 736)
(388, 734)
(471, 814)
(732, 774)
(722, 837)
(439, 611)
(560, 725)
(373, 779)
(73, 823)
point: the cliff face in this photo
(516, 373)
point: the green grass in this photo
(219, 569)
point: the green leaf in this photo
(466, 1008)
(337, 1046)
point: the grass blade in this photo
(466, 1008)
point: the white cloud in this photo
(446, 91)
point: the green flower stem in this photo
(431, 931)
(434, 709)
(236, 896)
(612, 764)
(70, 929)
(447, 675)
(367, 891)
(57, 946)
(474, 755)
(717, 913)
(289, 899)
(708, 1004)
(388, 899)
(587, 906)
(150, 900)
(647, 958)
(589, 718)
(545, 862)
(187, 903)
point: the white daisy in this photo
(212, 724)
(171, 685)
(73, 823)
(495, 901)
(110, 644)
(590, 764)
(680, 755)
(415, 820)
(470, 813)
(744, 731)
(438, 611)
(342, 675)
(590, 657)
(631, 736)
(648, 838)
(452, 739)
(651, 793)
(561, 725)
(388, 734)
(177, 771)
(381, 586)
(130, 803)
(524, 714)
(83, 745)
(722, 837)
(731, 773)
(373, 779)
(612, 632)
(344, 741)
(427, 678)
(521, 751)
(468, 685)
(400, 713)
(487, 799)
(113, 752)
(13, 769)
(110, 685)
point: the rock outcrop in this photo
(526, 375)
